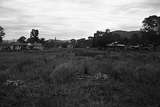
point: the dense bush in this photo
(64, 73)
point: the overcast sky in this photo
(68, 19)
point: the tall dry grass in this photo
(51, 79)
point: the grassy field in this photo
(79, 78)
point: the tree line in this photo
(150, 34)
(34, 38)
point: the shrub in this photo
(19, 66)
(3, 67)
(64, 73)
(3, 76)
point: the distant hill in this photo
(58, 41)
(126, 34)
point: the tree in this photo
(34, 36)
(125, 41)
(81, 43)
(90, 41)
(151, 23)
(98, 34)
(30, 40)
(50, 44)
(42, 40)
(134, 39)
(108, 31)
(1, 33)
(100, 38)
(73, 42)
(151, 30)
(22, 39)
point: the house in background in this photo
(69, 46)
(116, 45)
(5, 46)
(37, 46)
(16, 46)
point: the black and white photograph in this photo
(79, 53)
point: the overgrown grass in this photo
(65, 78)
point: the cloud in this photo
(73, 18)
